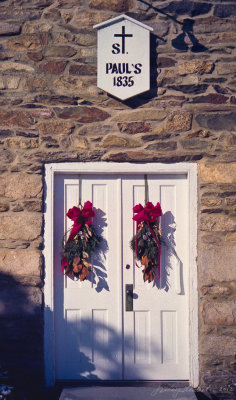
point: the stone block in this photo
(141, 115)
(82, 69)
(212, 98)
(195, 67)
(20, 143)
(217, 290)
(220, 89)
(231, 237)
(19, 300)
(16, 207)
(220, 382)
(49, 142)
(83, 114)
(20, 262)
(217, 265)
(129, 156)
(12, 82)
(21, 186)
(189, 89)
(15, 66)
(233, 100)
(24, 134)
(213, 25)
(186, 7)
(87, 53)
(52, 14)
(220, 313)
(179, 121)
(166, 62)
(2, 83)
(231, 139)
(112, 5)
(95, 130)
(218, 173)
(217, 223)
(18, 227)
(119, 141)
(5, 133)
(225, 10)
(134, 127)
(53, 67)
(70, 3)
(162, 146)
(25, 42)
(9, 28)
(226, 69)
(79, 143)
(194, 143)
(211, 202)
(60, 51)
(35, 56)
(5, 55)
(4, 206)
(217, 122)
(6, 157)
(18, 118)
(55, 128)
(86, 38)
(36, 83)
(42, 26)
(56, 100)
(69, 84)
(88, 19)
(157, 135)
(33, 205)
(44, 113)
(221, 345)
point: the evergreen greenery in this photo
(86, 242)
(146, 245)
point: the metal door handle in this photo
(129, 297)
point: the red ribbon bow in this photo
(80, 217)
(148, 214)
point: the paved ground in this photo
(127, 393)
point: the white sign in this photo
(123, 57)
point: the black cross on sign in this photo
(123, 35)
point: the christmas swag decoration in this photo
(82, 242)
(146, 243)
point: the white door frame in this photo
(190, 170)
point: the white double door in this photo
(95, 337)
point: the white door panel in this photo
(95, 337)
(159, 323)
(88, 314)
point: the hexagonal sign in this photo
(123, 57)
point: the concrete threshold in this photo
(127, 393)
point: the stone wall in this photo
(52, 111)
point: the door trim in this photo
(190, 170)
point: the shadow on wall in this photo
(184, 35)
(186, 28)
(21, 332)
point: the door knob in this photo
(127, 266)
(129, 297)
